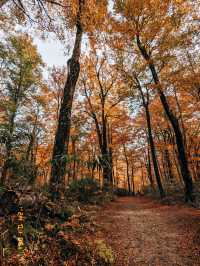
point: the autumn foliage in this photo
(123, 112)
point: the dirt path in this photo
(143, 232)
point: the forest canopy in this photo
(124, 109)
(117, 115)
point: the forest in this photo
(111, 136)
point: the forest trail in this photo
(143, 232)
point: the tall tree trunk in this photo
(105, 156)
(29, 152)
(149, 167)
(74, 159)
(174, 153)
(106, 159)
(153, 153)
(60, 149)
(102, 135)
(151, 141)
(168, 165)
(189, 196)
(110, 153)
(142, 178)
(116, 174)
(133, 180)
(30, 147)
(127, 169)
(181, 119)
(164, 167)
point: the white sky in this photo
(52, 51)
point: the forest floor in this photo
(141, 231)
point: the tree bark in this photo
(74, 158)
(189, 196)
(103, 139)
(60, 149)
(106, 160)
(168, 165)
(133, 181)
(149, 168)
(127, 169)
(151, 141)
(153, 153)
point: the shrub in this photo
(22, 170)
(105, 252)
(121, 192)
(147, 190)
(84, 189)
(67, 249)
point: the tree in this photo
(150, 136)
(153, 33)
(99, 83)
(60, 149)
(21, 79)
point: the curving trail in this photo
(143, 232)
